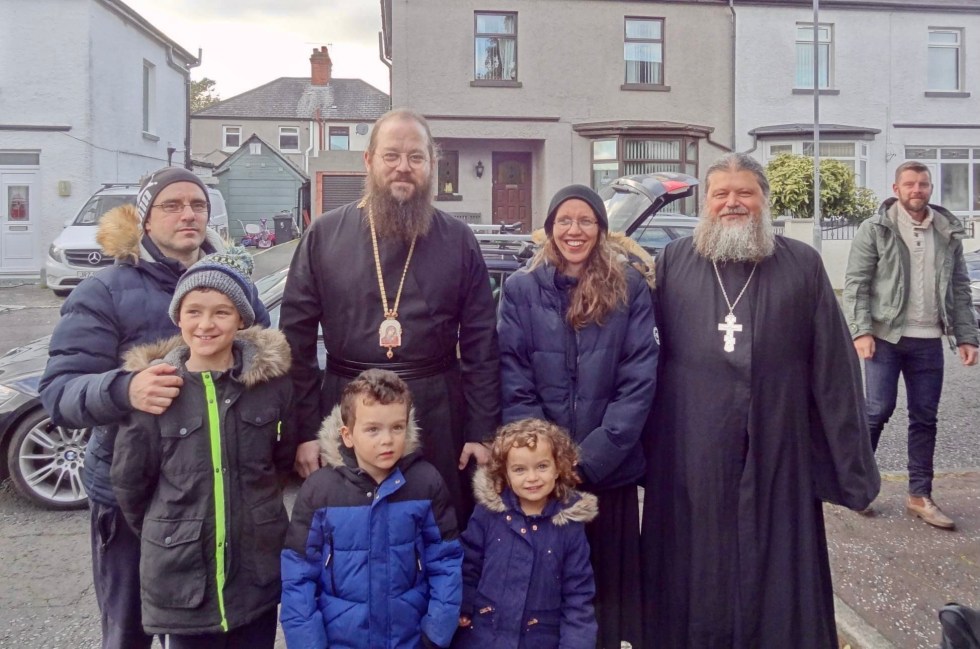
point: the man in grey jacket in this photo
(906, 287)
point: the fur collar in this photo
(120, 235)
(581, 506)
(264, 352)
(629, 252)
(331, 445)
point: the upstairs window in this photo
(945, 62)
(339, 138)
(495, 45)
(289, 139)
(804, 55)
(231, 137)
(644, 51)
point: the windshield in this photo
(99, 205)
(623, 206)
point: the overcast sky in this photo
(247, 43)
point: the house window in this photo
(495, 44)
(231, 137)
(804, 55)
(955, 176)
(644, 51)
(339, 138)
(289, 139)
(149, 92)
(627, 156)
(448, 174)
(945, 62)
(853, 155)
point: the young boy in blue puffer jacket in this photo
(372, 557)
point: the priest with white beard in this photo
(758, 418)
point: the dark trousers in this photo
(116, 575)
(260, 633)
(920, 362)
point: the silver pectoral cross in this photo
(729, 328)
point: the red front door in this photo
(512, 189)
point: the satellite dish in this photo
(361, 129)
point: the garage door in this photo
(340, 190)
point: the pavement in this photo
(892, 572)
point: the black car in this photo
(44, 461)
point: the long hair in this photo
(601, 287)
(527, 433)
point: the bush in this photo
(791, 189)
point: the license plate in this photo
(85, 273)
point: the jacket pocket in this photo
(184, 446)
(269, 527)
(259, 428)
(172, 566)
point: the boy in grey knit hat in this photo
(198, 483)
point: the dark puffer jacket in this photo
(527, 580)
(199, 484)
(125, 305)
(596, 383)
(367, 564)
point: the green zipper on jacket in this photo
(220, 531)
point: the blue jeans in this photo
(920, 362)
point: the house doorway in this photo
(19, 219)
(512, 189)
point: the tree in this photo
(791, 189)
(203, 94)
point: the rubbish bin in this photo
(284, 227)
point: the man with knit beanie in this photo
(905, 288)
(198, 483)
(85, 385)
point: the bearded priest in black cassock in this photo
(758, 417)
(395, 283)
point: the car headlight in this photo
(56, 253)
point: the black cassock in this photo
(447, 299)
(743, 448)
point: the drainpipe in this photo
(186, 71)
(387, 62)
(731, 8)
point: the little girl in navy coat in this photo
(527, 580)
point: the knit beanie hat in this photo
(580, 192)
(155, 183)
(227, 272)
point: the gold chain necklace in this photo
(390, 331)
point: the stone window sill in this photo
(809, 91)
(495, 83)
(649, 87)
(947, 93)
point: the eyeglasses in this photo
(565, 223)
(415, 160)
(176, 207)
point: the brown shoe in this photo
(927, 510)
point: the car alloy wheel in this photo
(45, 462)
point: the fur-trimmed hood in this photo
(331, 445)
(629, 251)
(581, 506)
(264, 355)
(120, 235)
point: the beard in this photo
(752, 240)
(400, 219)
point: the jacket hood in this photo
(629, 252)
(331, 445)
(120, 235)
(581, 506)
(264, 355)
(951, 223)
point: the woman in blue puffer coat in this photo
(577, 348)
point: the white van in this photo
(75, 255)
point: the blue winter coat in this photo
(597, 383)
(366, 565)
(120, 307)
(527, 580)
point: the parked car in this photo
(44, 461)
(75, 255)
(973, 267)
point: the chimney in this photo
(321, 67)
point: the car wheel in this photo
(61, 292)
(45, 462)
